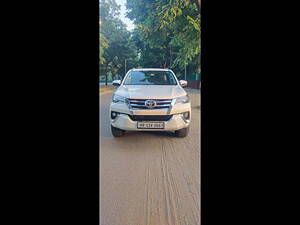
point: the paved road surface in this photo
(149, 178)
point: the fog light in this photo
(186, 115)
(113, 115)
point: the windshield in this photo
(150, 78)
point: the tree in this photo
(121, 47)
(170, 29)
(183, 17)
(103, 45)
(167, 35)
(170, 25)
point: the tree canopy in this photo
(166, 35)
(116, 45)
(170, 25)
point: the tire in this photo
(116, 132)
(182, 132)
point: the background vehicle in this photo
(150, 99)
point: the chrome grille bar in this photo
(140, 103)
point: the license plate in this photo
(150, 125)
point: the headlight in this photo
(118, 98)
(183, 99)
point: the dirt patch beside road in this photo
(107, 89)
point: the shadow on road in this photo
(198, 107)
(107, 133)
(151, 133)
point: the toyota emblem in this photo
(150, 104)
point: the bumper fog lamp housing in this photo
(186, 115)
(114, 115)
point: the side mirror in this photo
(116, 83)
(183, 83)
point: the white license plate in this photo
(150, 125)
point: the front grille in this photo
(140, 103)
(150, 118)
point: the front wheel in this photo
(116, 132)
(182, 132)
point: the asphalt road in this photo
(149, 178)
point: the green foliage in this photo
(108, 9)
(116, 43)
(170, 29)
(167, 34)
(103, 45)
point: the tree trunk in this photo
(106, 75)
(198, 3)
(170, 58)
(199, 81)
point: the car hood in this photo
(150, 91)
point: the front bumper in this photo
(124, 122)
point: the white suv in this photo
(150, 99)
